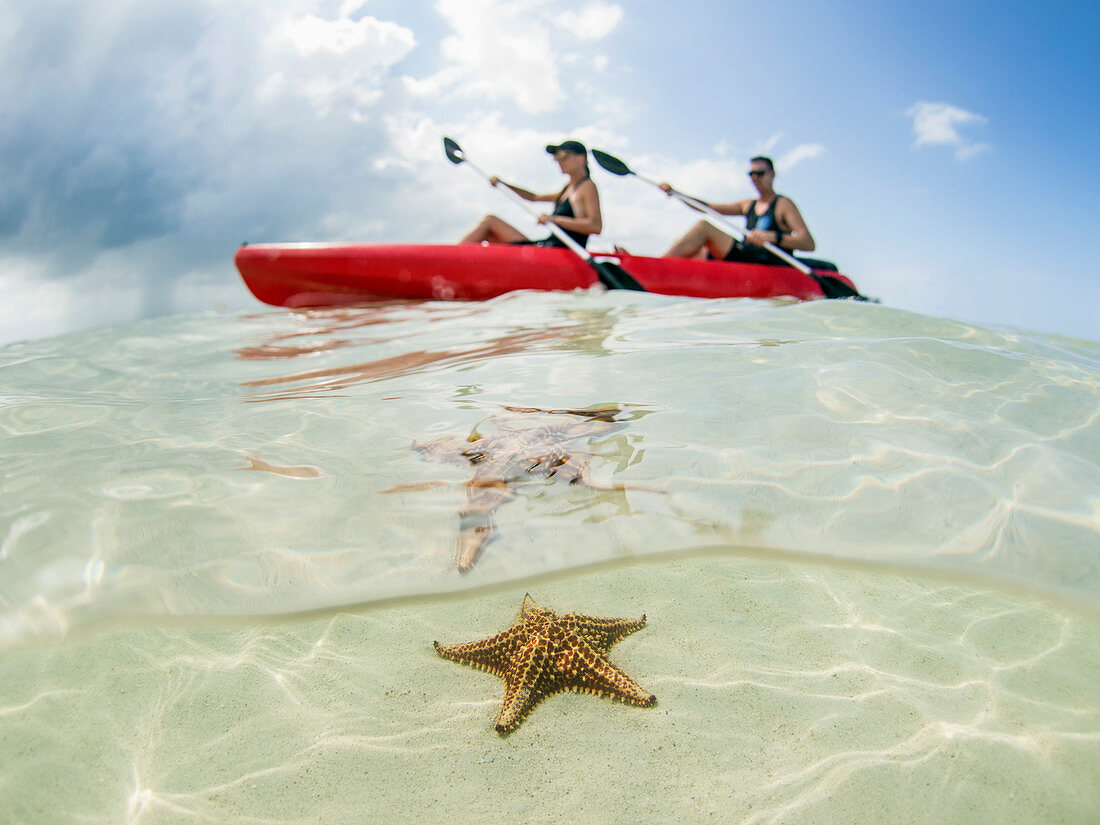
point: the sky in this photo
(943, 154)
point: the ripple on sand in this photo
(786, 692)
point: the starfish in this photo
(544, 653)
(515, 451)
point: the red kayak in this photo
(313, 275)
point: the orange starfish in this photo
(543, 653)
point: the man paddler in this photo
(769, 218)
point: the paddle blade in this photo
(453, 150)
(611, 163)
(835, 288)
(614, 276)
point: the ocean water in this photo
(867, 543)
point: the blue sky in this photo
(943, 154)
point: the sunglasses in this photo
(757, 173)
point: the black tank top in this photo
(563, 208)
(765, 222)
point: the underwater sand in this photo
(786, 692)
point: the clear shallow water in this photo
(174, 491)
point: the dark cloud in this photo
(86, 160)
(184, 124)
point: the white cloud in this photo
(517, 50)
(936, 124)
(310, 34)
(594, 21)
(113, 290)
(33, 306)
(333, 63)
(151, 139)
(768, 145)
(792, 157)
(497, 51)
(806, 151)
(350, 7)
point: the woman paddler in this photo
(576, 207)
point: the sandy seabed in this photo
(786, 693)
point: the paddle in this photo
(830, 287)
(611, 275)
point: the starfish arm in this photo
(416, 487)
(484, 495)
(473, 535)
(528, 608)
(490, 654)
(444, 450)
(584, 668)
(576, 471)
(601, 632)
(526, 684)
(608, 680)
(475, 523)
(572, 471)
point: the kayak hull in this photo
(315, 275)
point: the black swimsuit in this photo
(563, 208)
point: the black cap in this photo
(574, 146)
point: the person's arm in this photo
(734, 208)
(586, 210)
(526, 194)
(550, 197)
(795, 233)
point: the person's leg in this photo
(494, 230)
(699, 237)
